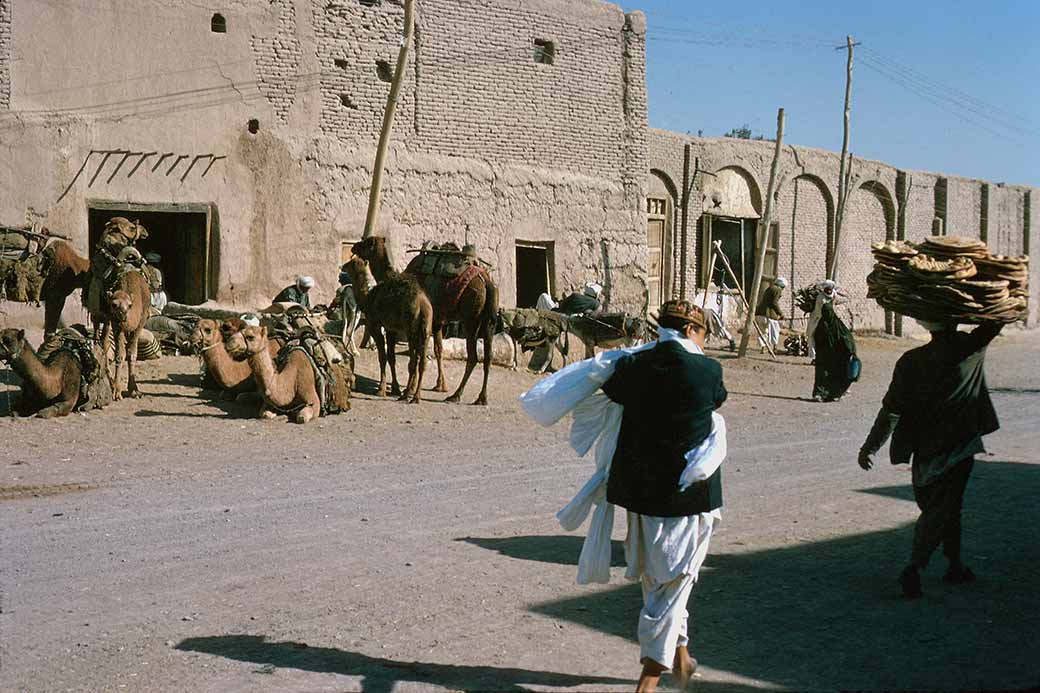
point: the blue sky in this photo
(973, 71)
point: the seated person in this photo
(297, 293)
(155, 282)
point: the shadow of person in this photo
(561, 548)
(828, 614)
(378, 674)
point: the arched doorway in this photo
(660, 238)
(732, 205)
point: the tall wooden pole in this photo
(763, 239)
(843, 192)
(388, 119)
(685, 219)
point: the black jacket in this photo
(939, 392)
(669, 395)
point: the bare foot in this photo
(650, 676)
(683, 667)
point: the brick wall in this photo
(885, 203)
(277, 58)
(5, 54)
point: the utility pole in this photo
(763, 240)
(843, 183)
(375, 193)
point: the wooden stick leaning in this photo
(763, 237)
(707, 283)
(736, 282)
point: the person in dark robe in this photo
(936, 410)
(835, 350)
(584, 303)
(297, 293)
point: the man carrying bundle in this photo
(939, 408)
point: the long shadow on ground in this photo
(381, 675)
(827, 615)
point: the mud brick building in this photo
(242, 134)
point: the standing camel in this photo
(127, 310)
(48, 389)
(66, 271)
(473, 302)
(398, 305)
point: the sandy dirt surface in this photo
(175, 543)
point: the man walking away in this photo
(769, 313)
(668, 393)
(939, 408)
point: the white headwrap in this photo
(593, 289)
(250, 319)
(780, 281)
(305, 282)
(827, 284)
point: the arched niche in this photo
(732, 192)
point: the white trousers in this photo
(662, 622)
(771, 329)
(809, 330)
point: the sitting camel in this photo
(473, 302)
(125, 315)
(289, 390)
(399, 306)
(48, 389)
(233, 377)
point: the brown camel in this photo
(476, 309)
(66, 271)
(291, 389)
(398, 306)
(233, 377)
(127, 310)
(48, 389)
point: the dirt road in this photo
(172, 544)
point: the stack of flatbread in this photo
(949, 279)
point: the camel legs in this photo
(119, 346)
(391, 355)
(53, 305)
(471, 363)
(416, 365)
(63, 408)
(380, 341)
(438, 352)
(489, 334)
(131, 361)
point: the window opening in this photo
(371, 3)
(346, 101)
(253, 126)
(544, 51)
(218, 25)
(384, 71)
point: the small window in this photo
(253, 126)
(347, 102)
(371, 3)
(384, 71)
(340, 63)
(544, 51)
(218, 25)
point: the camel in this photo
(291, 389)
(398, 305)
(48, 389)
(476, 308)
(66, 271)
(127, 310)
(235, 378)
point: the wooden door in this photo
(655, 260)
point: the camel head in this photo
(372, 249)
(132, 231)
(12, 342)
(206, 333)
(360, 275)
(246, 342)
(120, 303)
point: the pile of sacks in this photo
(949, 279)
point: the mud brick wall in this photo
(884, 204)
(5, 54)
(277, 59)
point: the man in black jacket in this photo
(939, 408)
(669, 394)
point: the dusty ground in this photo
(174, 543)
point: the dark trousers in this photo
(940, 521)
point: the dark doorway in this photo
(534, 272)
(738, 245)
(182, 240)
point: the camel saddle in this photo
(444, 271)
(333, 368)
(95, 391)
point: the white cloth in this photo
(771, 329)
(159, 300)
(663, 618)
(546, 302)
(597, 421)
